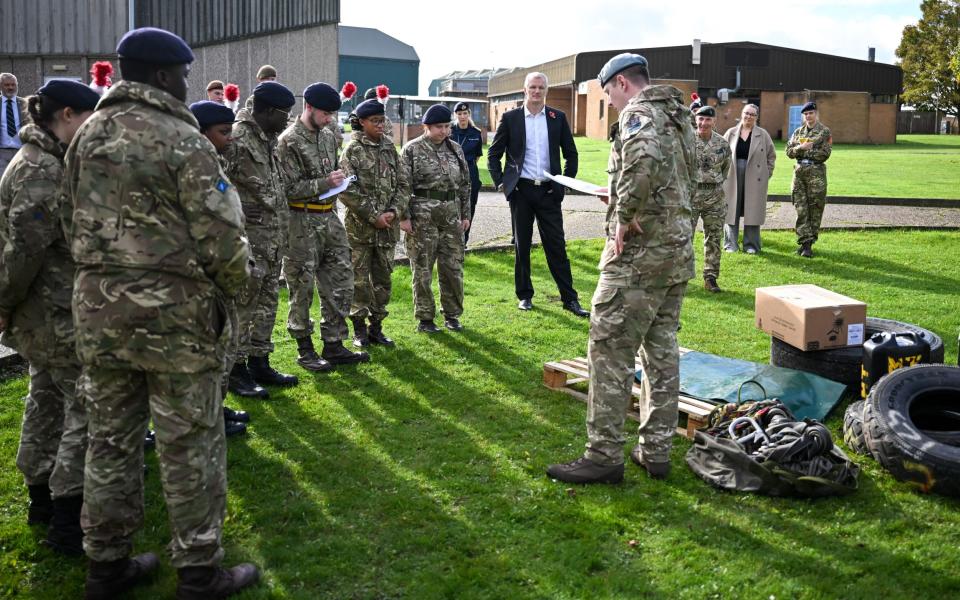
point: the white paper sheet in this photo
(575, 184)
(334, 191)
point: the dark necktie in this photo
(11, 123)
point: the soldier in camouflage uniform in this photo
(810, 145)
(317, 251)
(36, 285)
(644, 269)
(439, 211)
(253, 167)
(374, 202)
(156, 231)
(709, 203)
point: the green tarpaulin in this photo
(717, 379)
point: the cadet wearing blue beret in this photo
(438, 113)
(67, 92)
(808, 107)
(621, 62)
(154, 46)
(369, 108)
(274, 94)
(209, 113)
(323, 96)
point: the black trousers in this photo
(529, 203)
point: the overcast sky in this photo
(451, 36)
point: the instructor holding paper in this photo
(533, 138)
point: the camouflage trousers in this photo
(187, 413)
(318, 254)
(623, 320)
(436, 239)
(711, 206)
(372, 269)
(53, 438)
(257, 303)
(809, 198)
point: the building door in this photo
(796, 119)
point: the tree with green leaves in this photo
(928, 57)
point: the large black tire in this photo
(843, 364)
(896, 440)
(853, 428)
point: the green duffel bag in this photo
(761, 447)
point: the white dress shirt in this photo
(5, 140)
(536, 156)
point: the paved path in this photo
(583, 218)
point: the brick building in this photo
(858, 99)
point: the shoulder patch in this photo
(635, 123)
(222, 185)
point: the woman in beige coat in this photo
(746, 186)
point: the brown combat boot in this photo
(656, 470)
(107, 580)
(584, 470)
(710, 284)
(206, 583)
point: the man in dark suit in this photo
(13, 116)
(533, 137)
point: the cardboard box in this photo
(809, 317)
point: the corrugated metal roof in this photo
(373, 43)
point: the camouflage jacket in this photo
(253, 167)
(713, 158)
(156, 230)
(822, 140)
(381, 186)
(437, 167)
(306, 158)
(652, 168)
(36, 270)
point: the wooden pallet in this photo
(564, 374)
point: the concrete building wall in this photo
(301, 57)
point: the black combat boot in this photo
(427, 326)
(149, 440)
(242, 384)
(239, 416)
(264, 374)
(806, 250)
(656, 470)
(453, 324)
(41, 504)
(205, 583)
(107, 580)
(65, 535)
(308, 358)
(361, 338)
(233, 428)
(377, 336)
(336, 354)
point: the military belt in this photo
(535, 182)
(807, 161)
(310, 207)
(436, 194)
(707, 185)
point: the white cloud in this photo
(451, 37)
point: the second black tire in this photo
(853, 428)
(843, 364)
(896, 411)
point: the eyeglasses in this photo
(285, 113)
(754, 115)
(376, 121)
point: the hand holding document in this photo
(336, 190)
(577, 184)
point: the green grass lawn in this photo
(421, 474)
(917, 166)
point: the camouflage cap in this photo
(619, 63)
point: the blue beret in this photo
(438, 113)
(211, 113)
(275, 94)
(369, 108)
(70, 93)
(706, 111)
(154, 46)
(619, 63)
(808, 107)
(322, 96)
(461, 106)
